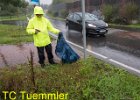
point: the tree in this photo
(11, 7)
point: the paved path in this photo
(11, 55)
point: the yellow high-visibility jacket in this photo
(42, 38)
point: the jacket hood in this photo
(38, 10)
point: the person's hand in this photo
(60, 33)
(36, 31)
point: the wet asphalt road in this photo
(119, 45)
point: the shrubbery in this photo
(109, 11)
(64, 13)
(121, 15)
(12, 7)
(129, 11)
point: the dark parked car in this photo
(93, 24)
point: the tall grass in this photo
(84, 80)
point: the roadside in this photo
(83, 80)
(86, 79)
(17, 35)
(132, 27)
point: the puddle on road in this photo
(11, 55)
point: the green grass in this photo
(84, 80)
(134, 26)
(13, 18)
(126, 26)
(11, 34)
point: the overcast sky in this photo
(44, 1)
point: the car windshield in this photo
(89, 16)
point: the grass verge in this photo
(12, 34)
(134, 27)
(23, 17)
(84, 80)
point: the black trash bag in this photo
(64, 51)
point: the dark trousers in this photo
(41, 54)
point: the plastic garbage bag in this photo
(64, 51)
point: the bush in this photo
(10, 10)
(64, 13)
(109, 11)
(12, 7)
(119, 20)
(129, 11)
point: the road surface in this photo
(119, 47)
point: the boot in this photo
(42, 65)
(52, 61)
